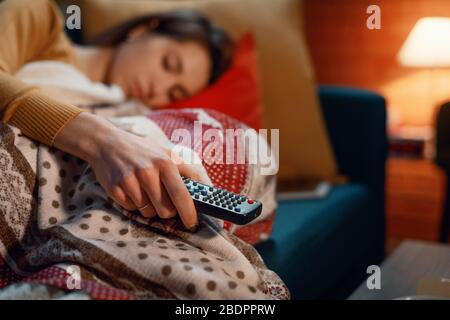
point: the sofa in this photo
(322, 248)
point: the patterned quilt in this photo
(62, 237)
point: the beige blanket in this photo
(53, 211)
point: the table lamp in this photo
(428, 44)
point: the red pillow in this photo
(237, 92)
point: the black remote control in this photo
(222, 204)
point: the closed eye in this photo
(172, 63)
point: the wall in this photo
(345, 52)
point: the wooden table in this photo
(415, 193)
(402, 271)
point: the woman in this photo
(155, 59)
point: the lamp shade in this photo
(428, 44)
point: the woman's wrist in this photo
(83, 135)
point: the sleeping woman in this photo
(156, 59)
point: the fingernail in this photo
(194, 228)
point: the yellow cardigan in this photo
(32, 30)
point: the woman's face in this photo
(158, 69)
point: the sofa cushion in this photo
(315, 242)
(289, 99)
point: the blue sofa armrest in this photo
(356, 123)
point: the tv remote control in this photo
(222, 204)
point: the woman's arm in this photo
(32, 30)
(134, 173)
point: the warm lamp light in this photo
(428, 44)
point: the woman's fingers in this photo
(150, 182)
(179, 195)
(119, 196)
(187, 171)
(132, 188)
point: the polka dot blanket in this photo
(58, 229)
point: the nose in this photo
(159, 90)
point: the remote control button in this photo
(211, 189)
(195, 183)
(200, 187)
(223, 205)
(210, 201)
(203, 193)
(250, 201)
(191, 192)
(237, 209)
(196, 196)
(230, 207)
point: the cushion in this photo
(288, 89)
(226, 94)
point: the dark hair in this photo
(181, 25)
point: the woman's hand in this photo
(134, 172)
